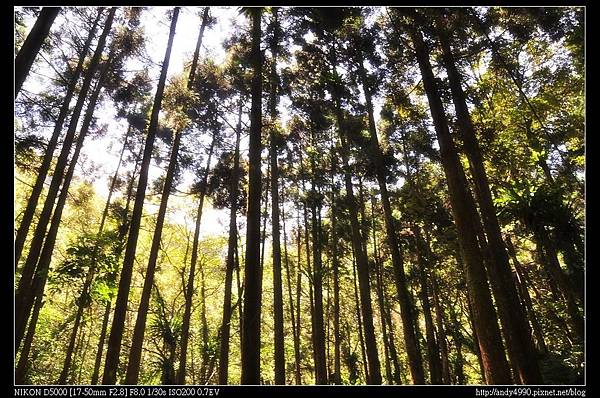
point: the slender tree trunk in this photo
(496, 366)
(185, 328)
(227, 310)
(317, 278)
(42, 172)
(23, 364)
(279, 352)
(253, 273)
(135, 354)
(335, 262)
(295, 331)
(379, 288)
(406, 310)
(513, 319)
(361, 339)
(397, 374)
(198, 46)
(32, 45)
(361, 257)
(23, 299)
(433, 351)
(439, 321)
(116, 333)
(42, 268)
(537, 328)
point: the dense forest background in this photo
(360, 195)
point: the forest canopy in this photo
(299, 195)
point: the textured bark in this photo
(42, 172)
(495, 364)
(250, 349)
(32, 45)
(118, 323)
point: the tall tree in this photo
(253, 272)
(495, 364)
(118, 323)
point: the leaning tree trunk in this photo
(43, 265)
(513, 319)
(116, 333)
(496, 367)
(23, 298)
(32, 45)
(42, 171)
(433, 350)
(250, 349)
(135, 354)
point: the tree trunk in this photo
(250, 349)
(185, 328)
(116, 333)
(439, 321)
(32, 45)
(362, 262)
(290, 296)
(23, 299)
(406, 310)
(514, 323)
(42, 172)
(232, 244)
(279, 352)
(317, 277)
(535, 324)
(337, 366)
(496, 366)
(135, 354)
(42, 268)
(361, 339)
